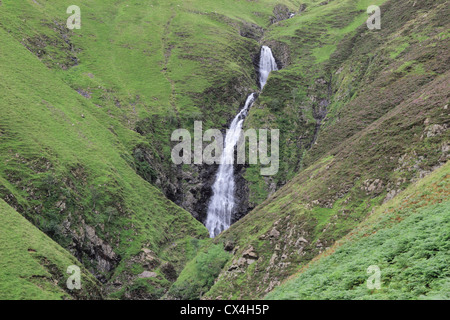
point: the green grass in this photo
(407, 238)
(83, 111)
(311, 39)
(200, 273)
(138, 64)
(57, 147)
(374, 129)
(33, 266)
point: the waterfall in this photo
(222, 204)
(267, 64)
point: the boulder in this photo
(250, 254)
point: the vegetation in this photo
(375, 138)
(86, 176)
(407, 238)
(32, 266)
(68, 167)
(199, 274)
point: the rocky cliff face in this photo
(190, 186)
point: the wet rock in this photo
(243, 206)
(281, 53)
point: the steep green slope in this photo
(64, 170)
(407, 238)
(86, 119)
(336, 75)
(384, 124)
(32, 266)
(297, 97)
(83, 111)
(154, 66)
(200, 273)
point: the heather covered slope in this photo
(339, 77)
(407, 238)
(299, 98)
(32, 266)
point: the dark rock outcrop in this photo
(280, 12)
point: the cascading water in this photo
(267, 64)
(222, 204)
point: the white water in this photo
(267, 64)
(222, 204)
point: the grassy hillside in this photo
(86, 118)
(65, 168)
(383, 124)
(86, 113)
(154, 66)
(339, 77)
(407, 238)
(297, 97)
(32, 266)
